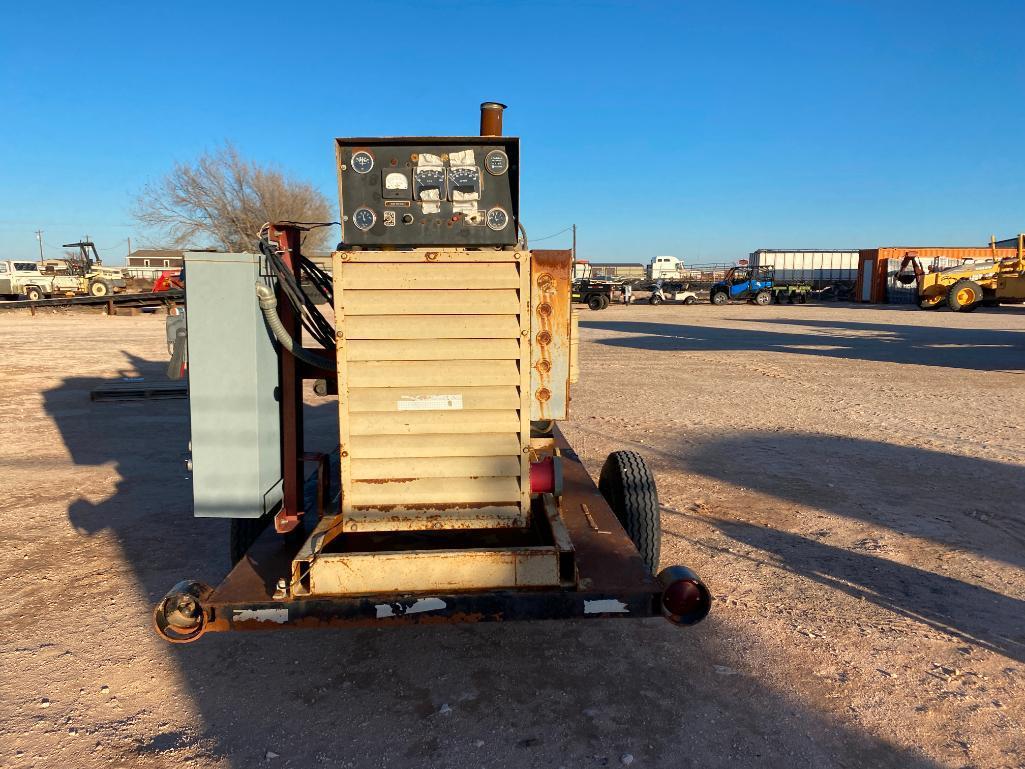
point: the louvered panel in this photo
(432, 381)
(434, 349)
(431, 327)
(466, 445)
(433, 422)
(435, 491)
(363, 399)
(430, 276)
(434, 467)
(430, 302)
(455, 373)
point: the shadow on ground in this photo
(968, 348)
(536, 694)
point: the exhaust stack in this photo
(491, 118)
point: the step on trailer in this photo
(454, 345)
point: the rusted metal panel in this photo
(550, 334)
(427, 517)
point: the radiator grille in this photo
(432, 372)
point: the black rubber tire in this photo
(925, 304)
(957, 306)
(629, 487)
(690, 300)
(763, 298)
(594, 302)
(33, 294)
(720, 298)
(605, 301)
(99, 288)
(654, 299)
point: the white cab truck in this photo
(665, 267)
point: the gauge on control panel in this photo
(497, 162)
(426, 179)
(364, 218)
(464, 182)
(362, 162)
(497, 218)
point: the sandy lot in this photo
(848, 480)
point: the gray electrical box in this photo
(233, 388)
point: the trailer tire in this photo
(99, 288)
(762, 298)
(720, 298)
(594, 302)
(629, 487)
(33, 293)
(964, 296)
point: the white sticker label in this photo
(605, 606)
(430, 402)
(261, 615)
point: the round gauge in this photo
(497, 162)
(362, 161)
(364, 218)
(497, 218)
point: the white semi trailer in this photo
(815, 268)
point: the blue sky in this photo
(704, 130)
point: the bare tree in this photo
(222, 199)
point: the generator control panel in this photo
(445, 191)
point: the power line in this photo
(553, 235)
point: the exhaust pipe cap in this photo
(685, 598)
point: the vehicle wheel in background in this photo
(763, 298)
(605, 301)
(964, 296)
(803, 297)
(690, 300)
(594, 302)
(99, 288)
(33, 294)
(654, 299)
(629, 487)
(930, 302)
(720, 298)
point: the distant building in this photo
(150, 262)
(1009, 243)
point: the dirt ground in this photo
(847, 479)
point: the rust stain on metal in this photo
(590, 519)
(384, 480)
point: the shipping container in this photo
(817, 268)
(878, 267)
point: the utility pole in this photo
(129, 250)
(39, 237)
(574, 244)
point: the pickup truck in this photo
(24, 280)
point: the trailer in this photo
(452, 495)
(836, 270)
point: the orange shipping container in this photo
(875, 265)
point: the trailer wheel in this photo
(762, 298)
(720, 298)
(594, 301)
(964, 296)
(33, 293)
(99, 288)
(655, 299)
(629, 487)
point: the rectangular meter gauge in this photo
(445, 191)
